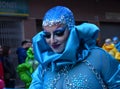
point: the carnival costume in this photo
(117, 44)
(82, 66)
(111, 49)
(26, 69)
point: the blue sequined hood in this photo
(81, 39)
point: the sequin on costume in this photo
(79, 82)
(76, 82)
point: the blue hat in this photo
(59, 15)
(115, 38)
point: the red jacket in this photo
(1, 71)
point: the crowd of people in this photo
(63, 56)
(112, 46)
(26, 65)
(7, 68)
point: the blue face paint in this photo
(58, 32)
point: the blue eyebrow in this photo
(45, 32)
(60, 29)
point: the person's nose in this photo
(53, 39)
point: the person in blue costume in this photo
(68, 56)
(116, 42)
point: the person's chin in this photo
(58, 51)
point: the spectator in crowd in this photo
(2, 85)
(1, 64)
(111, 49)
(22, 51)
(9, 68)
(68, 55)
(116, 42)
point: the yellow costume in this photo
(112, 50)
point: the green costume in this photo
(26, 69)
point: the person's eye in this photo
(47, 35)
(59, 33)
